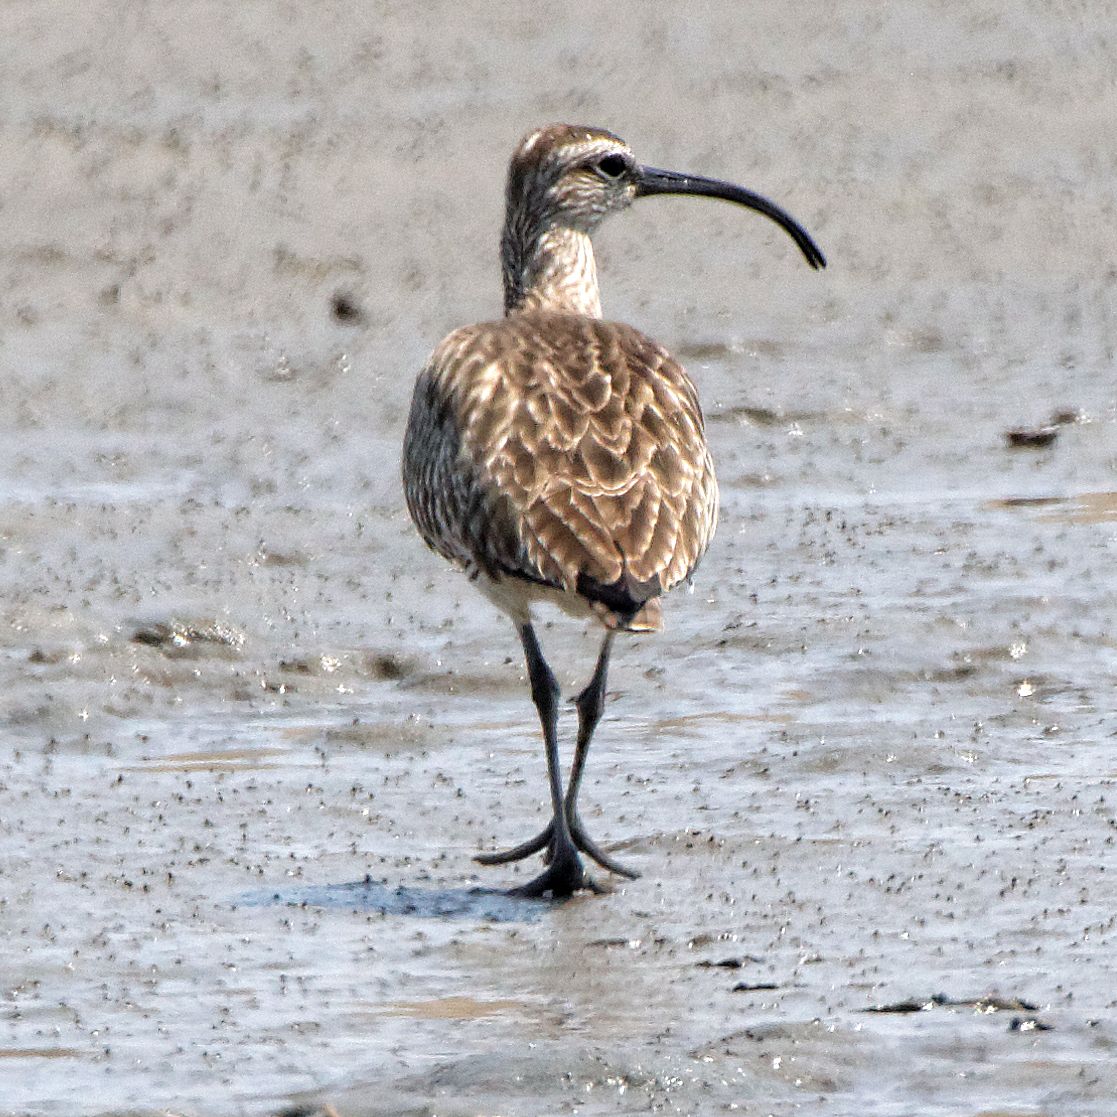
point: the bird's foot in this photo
(563, 877)
(545, 840)
(588, 846)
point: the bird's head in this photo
(570, 176)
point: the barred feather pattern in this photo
(563, 451)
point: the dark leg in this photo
(591, 705)
(564, 875)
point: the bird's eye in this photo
(612, 166)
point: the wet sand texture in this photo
(251, 733)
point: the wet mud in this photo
(252, 734)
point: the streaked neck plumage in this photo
(548, 267)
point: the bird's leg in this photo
(546, 688)
(591, 705)
(565, 874)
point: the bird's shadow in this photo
(483, 904)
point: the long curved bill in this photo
(651, 180)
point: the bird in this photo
(557, 457)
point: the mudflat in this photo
(252, 733)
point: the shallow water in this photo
(252, 733)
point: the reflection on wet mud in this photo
(453, 1008)
(702, 721)
(42, 1053)
(1024, 502)
(1086, 508)
(216, 760)
(180, 636)
(367, 895)
(982, 1005)
(1081, 508)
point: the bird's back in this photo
(566, 452)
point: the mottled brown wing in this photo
(562, 449)
(454, 503)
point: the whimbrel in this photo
(556, 457)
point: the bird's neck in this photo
(549, 269)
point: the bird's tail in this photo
(627, 604)
(648, 618)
